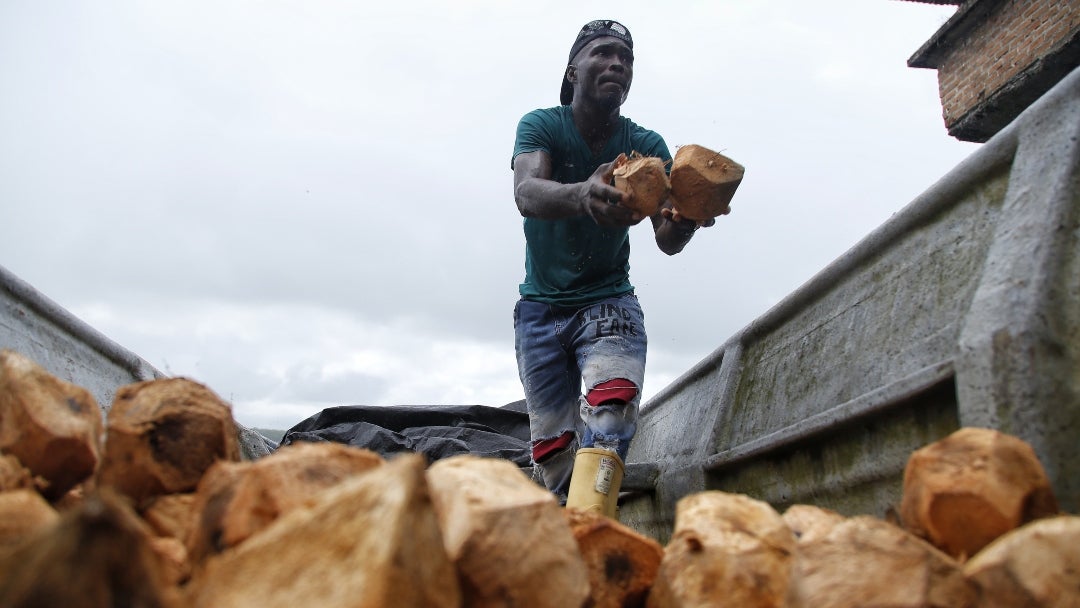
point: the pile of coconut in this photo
(154, 507)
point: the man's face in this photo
(602, 72)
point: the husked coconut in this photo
(621, 563)
(13, 475)
(703, 182)
(170, 515)
(643, 181)
(963, 491)
(810, 522)
(54, 428)
(173, 558)
(867, 562)
(162, 435)
(23, 513)
(1035, 566)
(98, 555)
(726, 550)
(235, 500)
(506, 535)
(371, 540)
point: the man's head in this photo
(590, 32)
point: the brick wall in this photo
(1001, 47)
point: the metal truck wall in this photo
(962, 310)
(42, 330)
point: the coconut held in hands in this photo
(703, 182)
(643, 181)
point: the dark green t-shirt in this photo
(573, 261)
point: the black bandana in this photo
(591, 31)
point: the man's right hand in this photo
(600, 200)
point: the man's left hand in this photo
(672, 214)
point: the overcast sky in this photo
(305, 204)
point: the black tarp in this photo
(436, 431)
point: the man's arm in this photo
(538, 196)
(672, 231)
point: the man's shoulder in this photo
(543, 129)
(544, 125)
(645, 140)
(555, 113)
(634, 128)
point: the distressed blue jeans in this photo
(560, 350)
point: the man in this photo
(578, 320)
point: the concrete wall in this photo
(42, 330)
(962, 310)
